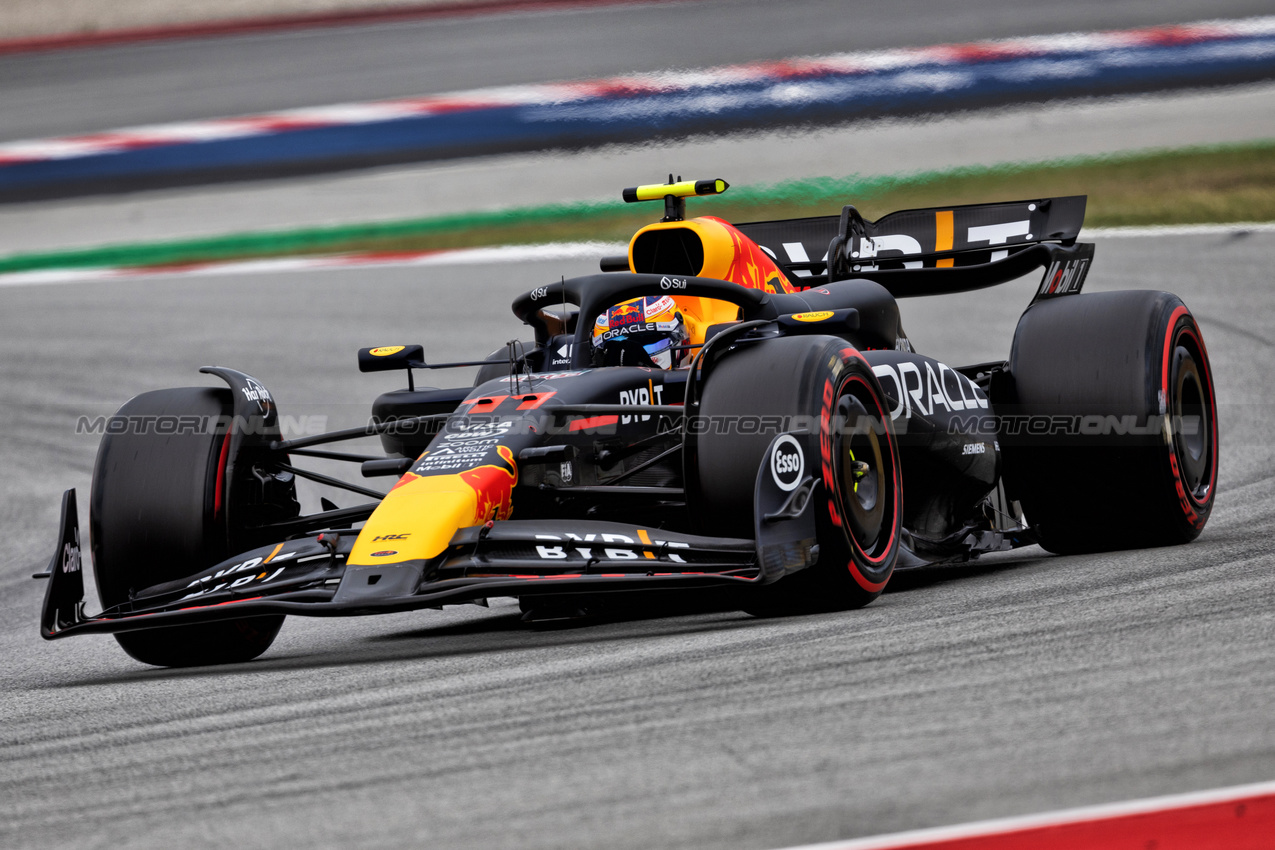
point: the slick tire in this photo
(825, 384)
(1110, 438)
(155, 515)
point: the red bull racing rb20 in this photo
(714, 411)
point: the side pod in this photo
(64, 596)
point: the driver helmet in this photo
(646, 331)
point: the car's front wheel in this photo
(824, 385)
(158, 513)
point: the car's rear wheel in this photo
(1110, 429)
(825, 385)
(158, 513)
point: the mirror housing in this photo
(388, 358)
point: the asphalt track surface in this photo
(79, 91)
(1018, 684)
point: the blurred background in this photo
(301, 127)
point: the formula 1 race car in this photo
(702, 414)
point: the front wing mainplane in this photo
(541, 557)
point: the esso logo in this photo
(539, 292)
(672, 283)
(787, 463)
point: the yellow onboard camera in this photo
(674, 194)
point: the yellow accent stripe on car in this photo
(646, 538)
(943, 229)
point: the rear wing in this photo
(936, 251)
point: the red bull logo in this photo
(625, 314)
(494, 483)
(422, 512)
(753, 269)
(750, 266)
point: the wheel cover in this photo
(1192, 423)
(860, 488)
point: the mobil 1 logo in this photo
(787, 463)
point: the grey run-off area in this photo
(1014, 685)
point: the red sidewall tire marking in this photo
(1191, 507)
(855, 573)
(218, 495)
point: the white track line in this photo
(1178, 230)
(1086, 814)
(497, 255)
(458, 257)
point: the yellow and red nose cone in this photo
(420, 515)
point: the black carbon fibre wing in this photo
(937, 250)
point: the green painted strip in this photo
(816, 194)
(307, 240)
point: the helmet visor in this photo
(661, 353)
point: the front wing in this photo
(309, 576)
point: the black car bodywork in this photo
(592, 481)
